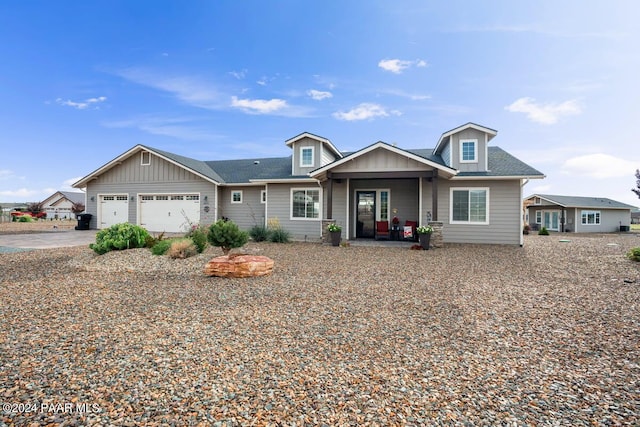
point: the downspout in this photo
(523, 183)
(322, 208)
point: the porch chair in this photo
(414, 226)
(382, 230)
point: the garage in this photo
(169, 212)
(114, 209)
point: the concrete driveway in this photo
(46, 240)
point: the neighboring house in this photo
(60, 204)
(475, 190)
(635, 216)
(577, 214)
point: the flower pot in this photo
(335, 237)
(424, 240)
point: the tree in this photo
(637, 190)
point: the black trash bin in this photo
(83, 221)
(624, 228)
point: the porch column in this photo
(434, 195)
(329, 197)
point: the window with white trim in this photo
(538, 217)
(236, 196)
(590, 217)
(263, 196)
(145, 158)
(305, 203)
(468, 150)
(469, 205)
(306, 156)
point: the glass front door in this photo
(365, 214)
(552, 220)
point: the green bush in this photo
(26, 218)
(119, 237)
(634, 254)
(259, 233)
(161, 247)
(199, 237)
(543, 232)
(279, 235)
(226, 235)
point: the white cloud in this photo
(190, 90)
(364, 111)
(397, 66)
(259, 106)
(600, 165)
(546, 114)
(83, 105)
(319, 95)
(5, 174)
(176, 127)
(239, 74)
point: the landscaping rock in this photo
(239, 266)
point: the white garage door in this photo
(114, 209)
(171, 213)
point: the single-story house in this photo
(577, 214)
(473, 189)
(635, 216)
(60, 204)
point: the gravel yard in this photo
(547, 334)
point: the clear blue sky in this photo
(83, 81)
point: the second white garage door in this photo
(171, 213)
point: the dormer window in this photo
(306, 157)
(145, 158)
(468, 151)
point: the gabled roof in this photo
(289, 142)
(423, 156)
(582, 202)
(58, 196)
(445, 136)
(197, 167)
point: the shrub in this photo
(279, 235)
(182, 248)
(634, 254)
(259, 233)
(199, 237)
(543, 232)
(151, 241)
(161, 247)
(26, 218)
(226, 235)
(119, 237)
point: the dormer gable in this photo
(311, 152)
(465, 148)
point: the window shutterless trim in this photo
(469, 189)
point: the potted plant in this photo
(336, 232)
(424, 236)
(395, 222)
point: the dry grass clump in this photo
(181, 249)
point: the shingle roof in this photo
(502, 163)
(73, 196)
(244, 170)
(583, 202)
(193, 164)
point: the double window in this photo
(305, 203)
(469, 205)
(590, 217)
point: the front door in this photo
(552, 220)
(365, 214)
